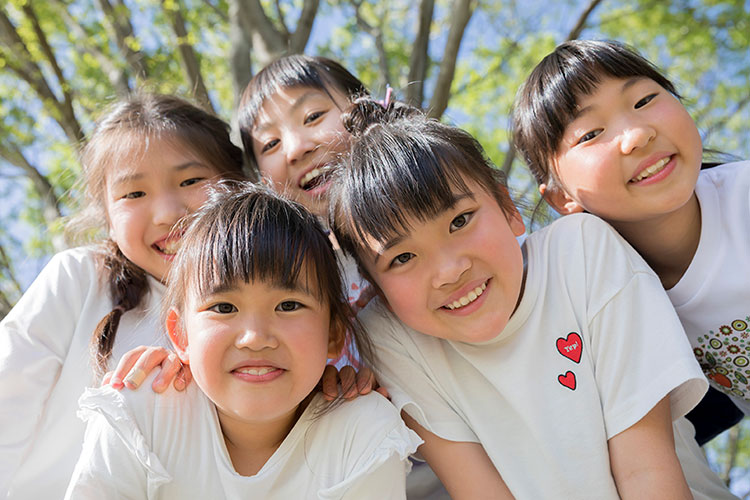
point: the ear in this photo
(559, 200)
(336, 339)
(177, 335)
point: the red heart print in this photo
(571, 347)
(568, 380)
(355, 286)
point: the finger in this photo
(348, 382)
(382, 390)
(183, 379)
(169, 368)
(106, 378)
(126, 363)
(150, 359)
(330, 383)
(365, 380)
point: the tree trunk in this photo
(419, 60)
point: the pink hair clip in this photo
(388, 91)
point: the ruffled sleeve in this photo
(380, 470)
(116, 461)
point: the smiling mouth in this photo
(468, 298)
(315, 177)
(653, 169)
(257, 371)
(168, 247)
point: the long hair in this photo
(287, 72)
(126, 129)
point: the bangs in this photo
(548, 101)
(253, 238)
(295, 71)
(403, 177)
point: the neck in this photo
(251, 444)
(668, 242)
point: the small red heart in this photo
(568, 380)
(355, 286)
(571, 347)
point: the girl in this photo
(602, 130)
(542, 364)
(146, 165)
(254, 305)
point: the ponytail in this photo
(127, 285)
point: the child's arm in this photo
(463, 467)
(643, 459)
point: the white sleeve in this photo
(116, 462)
(639, 348)
(386, 481)
(35, 338)
(405, 370)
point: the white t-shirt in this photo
(45, 366)
(712, 298)
(143, 445)
(593, 345)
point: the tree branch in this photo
(239, 53)
(460, 15)
(118, 78)
(267, 42)
(419, 60)
(189, 59)
(301, 35)
(22, 64)
(222, 15)
(575, 32)
(122, 31)
(377, 34)
(280, 14)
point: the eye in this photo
(223, 308)
(645, 101)
(134, 195)
(461, 221)
(289, 306)
(190, 182)
(269, 145)
(588, 136)
(313, 116)
(402, 259)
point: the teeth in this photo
(170, 247)
(468, 298)
(256, 370)
(656, 167)
(312, 174)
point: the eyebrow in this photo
(125, 178)
(457, 197)
(294, 107)
(625, 86)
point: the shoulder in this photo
(730, 180)
(79, 261)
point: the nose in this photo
(636, 136)
(298, 145)
(256, 336)
(449, 267)
(169, 207)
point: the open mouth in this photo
(257, 370)
(468, 298)
(167, 247)
(652, 170)
(315, 177)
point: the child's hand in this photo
(353, 383)
(137, 363)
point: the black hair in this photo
(246, 232)
(287, 72)
(126, 129)
(402, 166)
(548, 101)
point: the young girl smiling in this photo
(254, 307)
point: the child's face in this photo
(632, 153)
(255, 349)
(457, 276)
(297, 137)
(146, 198)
